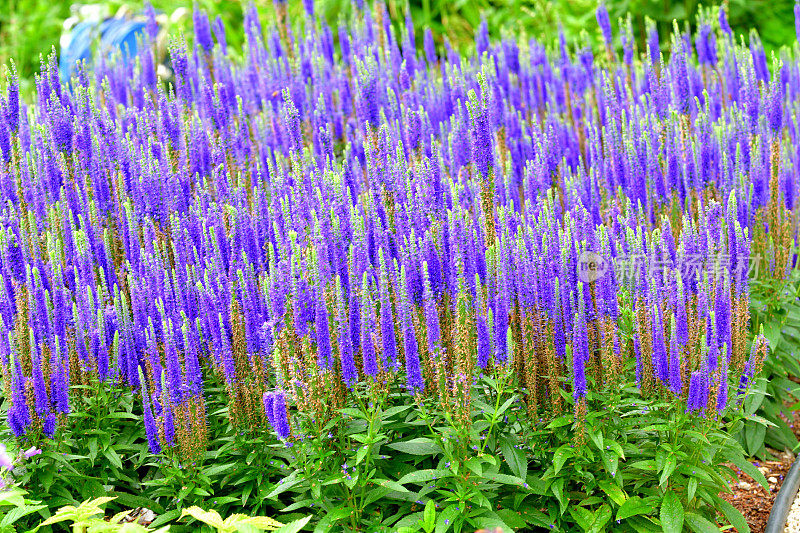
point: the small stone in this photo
(146, 517)
(744, 485)
(772, 479)
(763, 470)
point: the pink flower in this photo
(30, 452)
(5, 459)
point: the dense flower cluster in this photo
(339, 209)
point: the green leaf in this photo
(733, 515)
(355, 413)
(18, 512)
(671, 514)
(421, 476)
(327, 523)
(219, 469)
(561, 456)
(130, 500)
(92, 449)
(446, 518)
(601, 518)
(409, 521)
(747, 467)
(691, 489)
(557, 487)
(491, 521)
(418, 446)
(475, 465)
(391, 485)
(113, 457)
(513, 518)
(361, 454)
(515, 458)
(394, 411)
(616, 447)
(584, 517)
(642, 524)
(15, 497)
(598, 440)
(165, 518)
(122, 415)
(633, 506)
(505, 479)
(669, 467)
(648, 464)
(286, 483)
(212, 518)
(613, 491)
(429, 517)
(700, 524)
(263, 523)
(505, 406)
(561, 421)
(754, 437)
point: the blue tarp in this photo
(115, 35)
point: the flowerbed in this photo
(401, 290)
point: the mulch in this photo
(753, 500)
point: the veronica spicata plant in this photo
(329, 245)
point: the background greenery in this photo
(31, 27)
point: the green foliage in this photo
(29, 28)
(645, 466)
(775, 309)
(386, 465)
(89, 517)
(14, 506)
(236, 522)
(104, 451)
(642, 464)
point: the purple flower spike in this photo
(280, 421)
(430, 47)
(605, 24)
(723, 21)
(698, 393)
(324, 355)
(202, 29)
(682, 91)
(431, 315)
(368, 325)
(484, 344)
(722, 394)
(387, 321)
(675, 379)
(796, 19)
(349, 371)
(653, 43)
(482, 146)
(12, 102)
(775, 109)
(413, 373)
(151, 429)
(269, 402)
(660, 366)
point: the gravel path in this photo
(793, 520)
